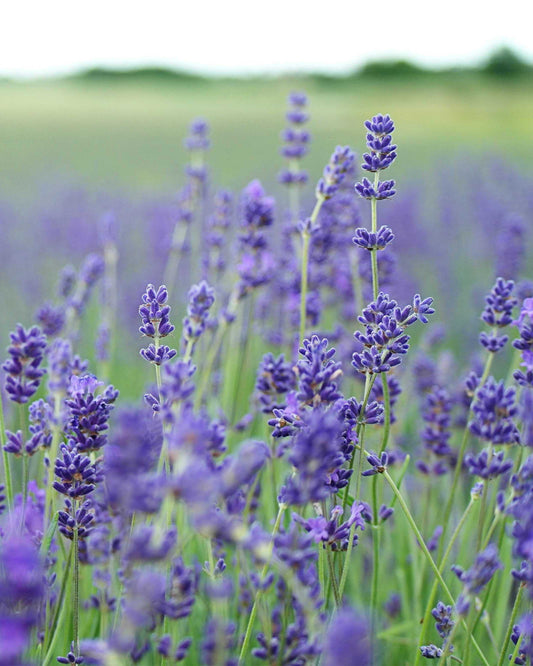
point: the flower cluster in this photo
(154, 313)
(498, 314)
(201, 299)
(493, 411)
(474, 579)
(444, 625)
(384, 339)
(23, 369)
(382, 154)
(340, 163)
(296, 140)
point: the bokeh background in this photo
(94, 106)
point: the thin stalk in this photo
(260, 591)
(54, 446)
(50, 632)
(516, 650)
(427, 554)
(7, 464)
(375, 575)
(215, 347)
(306, 238)
(356, 282)
(369, 383)
(25, 479)
(333, 577)
(461, 454)
(427, 614)
(386, 404)
(483, 507)
(179, 236)
(76, 586)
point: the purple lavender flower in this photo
(384, 190)
(275, 377)
(384, 339)
(379, 465)
(510, 248)
(348, 640)
(201, 299)
(444, 625)
(154, 313)
(176, 388)
(21, 594)
(498, 314)
(317, 373)
(474, 579)
(257, 214)
(198, 138)
(315, 453)
(340, 163)
(81, 519)
(22, 368)
(76, 474)
(158, 355)
(218, 644)
(89, 413)
(485, 467)
(51, 319)
(436, 412)
(296, 140)
(333, 532)
(353, 414)
(493, 411)
(67, 281)
(368, 240)
(71, 657)
(92, 269)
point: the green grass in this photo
(129, 135)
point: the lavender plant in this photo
(270, 502)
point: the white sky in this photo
(46, 37)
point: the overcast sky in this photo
(46, 37)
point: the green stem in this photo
(260, 591)
(25, 479)
(306, 238)
(7, 464)
(369, 383)
(51, 633)
(442, 563)
(375, 576)
(427, 554)
(516, 650)
(461, 454)
(386, 404)
(215, 348)
(333, 577)
(76, 587)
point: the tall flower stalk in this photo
(334, 173)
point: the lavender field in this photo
(270, 396)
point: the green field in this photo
(130, 135)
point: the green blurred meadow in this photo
(125, 134)
(128, 134)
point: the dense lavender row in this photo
(261, 502)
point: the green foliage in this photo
(505, 62)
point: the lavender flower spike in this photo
(201, 299)
(22, 368)
(340, 163)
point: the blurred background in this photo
(95, 104)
